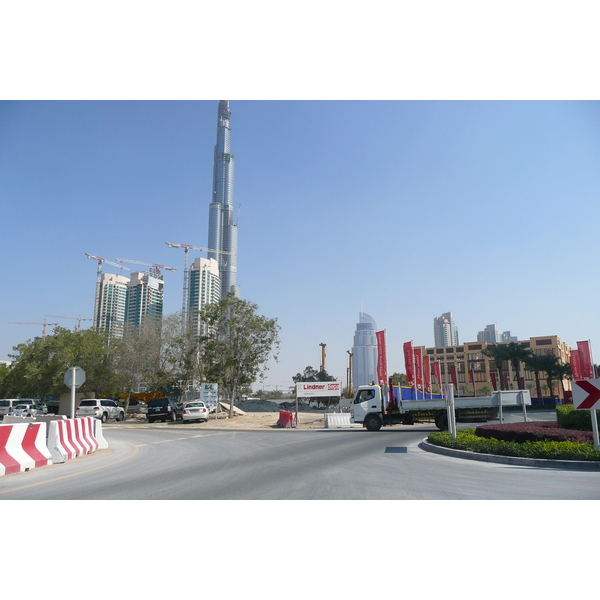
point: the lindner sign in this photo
(318, 388)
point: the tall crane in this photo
(137, 262)
(30, 323)
(186, 281)
(78, 319)
(99, 281)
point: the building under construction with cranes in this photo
(124, 303)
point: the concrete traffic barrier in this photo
(23, 447)
(102, 443)
(69, 438)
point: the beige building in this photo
(470, 357)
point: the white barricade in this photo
(337, 420)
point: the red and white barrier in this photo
(70, 438)
(23, 447)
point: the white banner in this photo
(318, 388)
(209, 394)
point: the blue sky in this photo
(487, 209)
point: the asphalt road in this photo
(171, 463)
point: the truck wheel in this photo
(441, 421)
(104, 417)
(373, 423)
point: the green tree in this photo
(39, 366)
(400, 379)
(237, 344)
(535, 364)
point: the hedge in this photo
(466, 439)
(568, 417)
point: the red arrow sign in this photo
(588, 386)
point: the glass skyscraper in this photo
(364, 352)
(222, 230)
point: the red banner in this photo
(585, 360)
(454, 377)
(575, 365)
(408, 364)
(427, 374)
(437, 374)
(419, 369)
(381, 358)
(505, 379)
(493, 378)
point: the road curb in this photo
(580, 465)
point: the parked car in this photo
(101, 409)
(25, 410)
(6, 406)
(195, 411)
(161, 409)
(37, 406)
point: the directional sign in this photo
(586, 394)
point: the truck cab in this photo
(367, 407)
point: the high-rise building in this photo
(491, 334)
(445, 332)
(144, 298)
(222, 228)
(364, 352)
(205, 288)
(111, 303)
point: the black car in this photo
(161, 409)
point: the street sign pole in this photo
(595, 428)
(74, 378)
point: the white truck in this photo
(369, 408)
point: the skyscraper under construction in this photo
(222, 228)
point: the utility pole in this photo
(323, 356)
(349, 393)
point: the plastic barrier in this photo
(338, 420)
(286, 419)
(23, 447)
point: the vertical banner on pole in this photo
(575, 364)
(382, 360)
(585, 360)
(437, 373)
(427, 374)
(419, 369)
(409, 364)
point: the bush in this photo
(466, 439)
(568, 417)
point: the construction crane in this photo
(137, 262)
(45, 324)
(99, 280)
(78, 319)
(103, 260)
(186, 282)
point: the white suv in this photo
(101, 409)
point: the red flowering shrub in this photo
(533, 431)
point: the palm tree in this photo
(534, 363)
(550, 365)
(563, 371)
(518, 353)
(498, 355)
